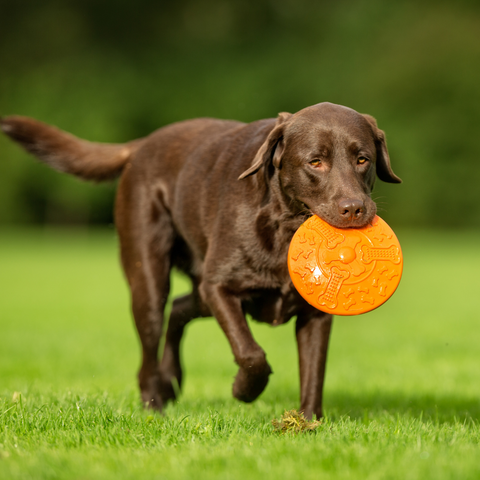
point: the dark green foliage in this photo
(113, 71)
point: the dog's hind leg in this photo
(146, 239)
(184, 309)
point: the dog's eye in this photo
(362, 160)
(316, 162)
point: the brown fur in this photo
(221, 200)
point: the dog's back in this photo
(165, 148)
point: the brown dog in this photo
(221, 200)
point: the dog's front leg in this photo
(313, 333)
(254, 370)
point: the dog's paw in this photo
(249, 383)
(150, 391)
(169, 388)
(152, 400)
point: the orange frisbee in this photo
(345, 271)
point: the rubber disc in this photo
(345, 271)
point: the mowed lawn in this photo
(402, 393)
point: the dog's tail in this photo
(67, 153)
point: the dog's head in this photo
(326, 158)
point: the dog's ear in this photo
(384, 169)
(271, 149)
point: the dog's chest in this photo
(274, 306)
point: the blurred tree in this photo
(112, 71)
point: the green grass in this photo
(402, 394)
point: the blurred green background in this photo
(113, 70)
(404, 379)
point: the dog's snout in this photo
(351, 208)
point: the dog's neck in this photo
(283, 212)
(275, 196)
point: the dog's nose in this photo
(351, 208)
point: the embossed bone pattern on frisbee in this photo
(340, 263)
(304, 257)
(343, 271)
(357, 262)
(392, 254)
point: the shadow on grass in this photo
(434, 408)
(363, 408)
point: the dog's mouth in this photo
(306, 211)
(338, 220)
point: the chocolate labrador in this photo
(221, 201)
